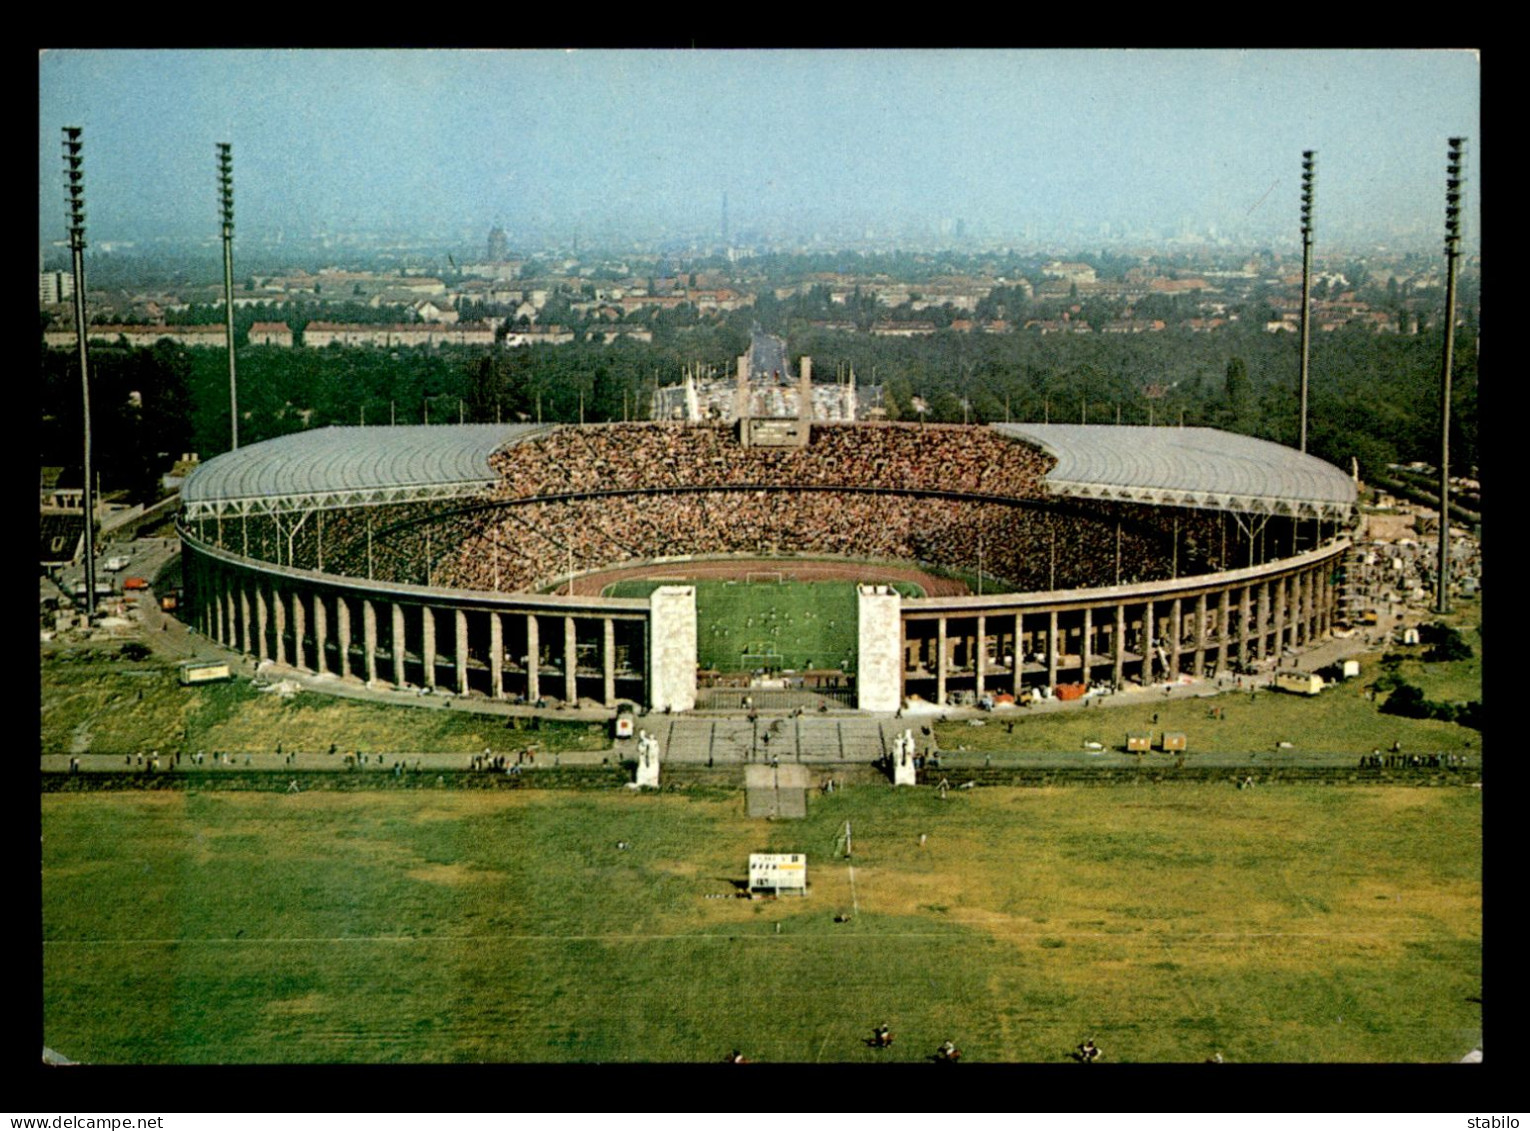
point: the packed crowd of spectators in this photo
(621, 457)
(645, 492)
(533, 545)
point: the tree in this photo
(1240, 396)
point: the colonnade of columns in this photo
(403, 644)
(1003, 650)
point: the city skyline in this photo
(604, 146)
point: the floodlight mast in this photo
(226, 213)
(1454, 179)
(74, 184)
(1309, 174)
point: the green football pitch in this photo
(774, 625)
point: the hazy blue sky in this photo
(612, 141)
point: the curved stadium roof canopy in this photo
(346, 467)
(1189, 467)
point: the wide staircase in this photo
(805, 739)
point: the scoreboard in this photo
(778, 872)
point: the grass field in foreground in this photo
(786, 625)
(1278, 924)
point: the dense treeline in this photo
(139, 411)
(1373, 397)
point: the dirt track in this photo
(735, 569)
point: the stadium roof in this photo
(336, 467)
(1188, 467)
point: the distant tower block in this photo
(692, 401)
(849, 406)
(805, 394)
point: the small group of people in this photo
(881, 1038)
(1088, 1052)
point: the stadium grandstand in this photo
(452, 556)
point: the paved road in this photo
(767, 355)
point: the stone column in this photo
(1245, 624)
(1200, 634)
(1019, 672)
(1119, 641)
(260, 622)
(200, 583)
(400, 670)
(320, 634)
(1325, 599)
(244, 618)
(232, 611)
(1278, 613)
(941, 662)
(299, 627)
(496, 657)
(279, 608)
(1088, 638)
(1223, 607)
(1053, 648)
(216, 606)
(1307, 606)
(608, 660)
(369, 639)
(1177, 627)
(461, 654)
(1147, 645)
(428, 645)
(570, 661)
(343, 635)
(533, 659)
(981, 655)
(1263, 614)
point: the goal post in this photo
(765, 576)
(760, 658)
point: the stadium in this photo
(479, 559)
